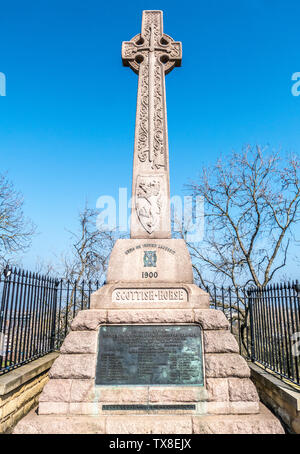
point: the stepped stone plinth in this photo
(228, 402)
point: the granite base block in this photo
(262, 423)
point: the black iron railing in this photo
(234, 304)
(274, 319)
(266, 324)
(36, 312)
(26, 317)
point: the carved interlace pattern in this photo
(143, 132)
(143, 145)
(129, 50)
(152, 19)
(159, 151)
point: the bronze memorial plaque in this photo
(150, 355)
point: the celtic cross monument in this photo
(150, 356)
(151, 54)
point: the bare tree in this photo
(16, 230)
(251, 213)
(251, 209)
(83, 268)
(91, 247)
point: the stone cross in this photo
(151, 54)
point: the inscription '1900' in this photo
(178, 295)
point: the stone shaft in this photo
(151, 54)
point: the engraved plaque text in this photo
(150, 355)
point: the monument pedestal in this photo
(150, 357)
(150, 260)
(227, 402)
(150, 274)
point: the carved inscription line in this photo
(153, 294)
(150, 245)
(148, 407)
(132, 338)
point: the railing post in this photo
(2, 330)
(251, 321)
(6, 273)
(53, 329)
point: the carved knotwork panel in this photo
(159, 139)
(142, 144)
(134, 53)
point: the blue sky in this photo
(67, 122)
